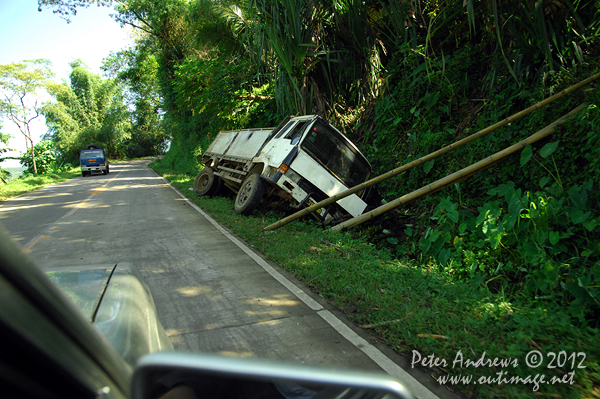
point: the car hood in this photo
(85, 285)
(118, 303)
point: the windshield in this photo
(329, 148)
(92, 154)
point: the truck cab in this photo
(310, 160)
(93, 160)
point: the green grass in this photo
(30, 183)
(412, 306)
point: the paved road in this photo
(212, 292)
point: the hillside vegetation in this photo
(510, 256)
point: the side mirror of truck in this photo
(166, 375)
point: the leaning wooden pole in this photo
(429, 157)
(457, 176)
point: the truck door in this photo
(281, 145)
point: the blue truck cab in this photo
(93, 160)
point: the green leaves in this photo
(45, 158)
(490, 222)
(444, 255)
(578, 216)
(526, 155)
(428, 165)
(540, 244)
(545, 152)
(579, 196)
(548, 149)
(88, 111)
(446, 209)
(554, 236)
(544, 180)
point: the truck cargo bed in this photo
(240, 144)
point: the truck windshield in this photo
(91, 154)
(329, 148)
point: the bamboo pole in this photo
(457, 176)
(429, 157)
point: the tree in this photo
(137, 71)
(88, 111)
(20, 87)
(168, 36)
(68, 8)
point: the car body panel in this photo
(127, 316)
(84, 285)
(24, 326)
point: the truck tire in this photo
(250, 194)
(206, 183)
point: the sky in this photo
(28, 34)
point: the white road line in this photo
(418, 390)
(311, 303)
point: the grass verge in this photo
(497, 348)
(30, 183)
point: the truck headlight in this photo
(293, 176)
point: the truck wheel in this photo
(206, 183)
(249, 194)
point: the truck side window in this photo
(284, 129)
(296, 133)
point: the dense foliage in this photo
(402, 79)
(89, 110)
(93, 110)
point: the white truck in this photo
(302, 161)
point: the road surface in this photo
(212, 292)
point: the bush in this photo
(45, 158)
(535, 236)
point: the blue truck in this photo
(93, 160)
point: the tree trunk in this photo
(33, 158)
